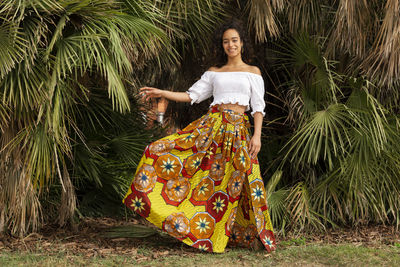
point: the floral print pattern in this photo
(235, 184)
(202, 225)
(161, 146)
(176, 190)
(204, 190)
(200, 185)
(145, 179)
(217, 170)
(193, 163)
(177, 225)
(168, 166)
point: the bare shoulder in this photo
(213, 69)
(254, 69)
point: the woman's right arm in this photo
(199, 91)
(150, 92)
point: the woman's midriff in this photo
(234, 107)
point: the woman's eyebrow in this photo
(230, 38)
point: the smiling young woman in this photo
(202, 185)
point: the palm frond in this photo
(12, 46)
(68, 198)
(300, 208)
(324, 137)
(35, 31)
(21, 209)
(314, 78)
(353, 22)
(278, 209)
(305, 16)
(24, 87)
(4, 116)
(381, 65)
(192, 21)
(371, 115)
(280, 5)
(132, 231)
(262, 18)
(129, 146)
(16, 10)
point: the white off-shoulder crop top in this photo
(237, 87)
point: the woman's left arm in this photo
(255, 141)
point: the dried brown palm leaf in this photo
(20, 209)
(353, 24)
(279, 5)
(300, 208)
(68, 198)
(4, 117)
(295, 104)
(304, 15)
(262, 19)
(383, 63)
(24, 209)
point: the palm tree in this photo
(338, 76)
(69, 69)
(362, 34)
(57, 59)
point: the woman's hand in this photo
(150, 92)
(254, 146)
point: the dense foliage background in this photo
(72, 129)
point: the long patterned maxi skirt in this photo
(200, 185)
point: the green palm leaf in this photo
(324, 137)
(12, 46)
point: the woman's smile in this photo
(231, 43)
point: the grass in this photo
(291, 255)
(90, 245)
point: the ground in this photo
(90, 244)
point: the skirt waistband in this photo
(219, 108)
(230, 116)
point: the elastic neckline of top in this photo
(235, 72)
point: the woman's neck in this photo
(234, 61)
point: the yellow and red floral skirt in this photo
(200, 185)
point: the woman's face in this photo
(231, 43)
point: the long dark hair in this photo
(220, 58)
